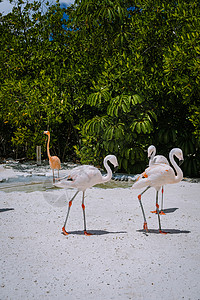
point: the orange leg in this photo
(155, 212)
(83, 207)
(64, 231)
(157, 209)
(161, 212)
(142, 208)
(145, 226)
(163, 232)
(87, 233)
(70, 204)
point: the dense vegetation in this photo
(104, 77)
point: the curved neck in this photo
(178, 170)
(153, 153)
(152, 156)
(48, 153)
(108, 176)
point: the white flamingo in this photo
(157, 159)
(84, 177)
(158, 175)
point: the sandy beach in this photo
(119, 261)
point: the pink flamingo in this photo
(84, 177)
(156, 176)
(157, 159)
(54, 161)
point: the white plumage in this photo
(84, 177)
(155, 159)
(158, 175)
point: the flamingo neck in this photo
(179, 174)
(108, 176)
(48, 153)
(152, 156)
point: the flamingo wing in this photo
(155, 176)
(84, 177)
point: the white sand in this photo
(118, 262)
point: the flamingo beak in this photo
(181, 161)
(115, 169)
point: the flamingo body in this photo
(155, 176)
(156, 159)
(84, 177)
(158, 175)
(54, 163)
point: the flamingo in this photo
(54, 161)
(83, 177)
(158, 175)
(157, 159)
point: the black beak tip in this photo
(181, 161)
(115, 169)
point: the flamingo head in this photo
(113, 160)
(151, 149)
(46, 132)
(179, 154)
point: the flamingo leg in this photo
(84, 218)
(162, 191)
(70, 204)
(142, 208)
(53, 176)
(157, 209)
(161, 211)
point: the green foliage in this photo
(95, 99)
(34, 91)
(114, 77)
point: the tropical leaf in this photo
(97, 97)
(123, 104)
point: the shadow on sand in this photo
(5, 209)
(167, 210)
(168, 231)
(95, 232)
(170, 210)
